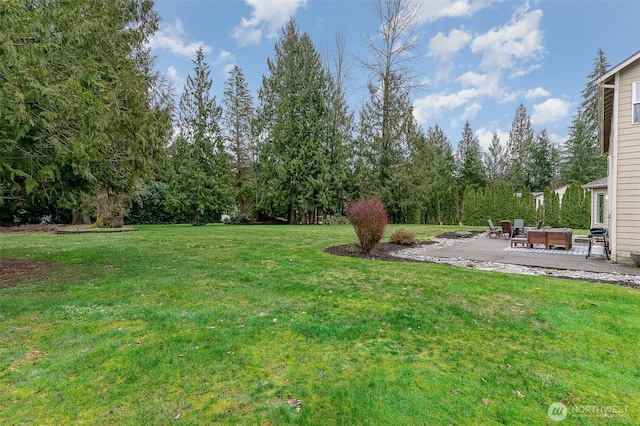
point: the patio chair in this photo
(493, 230)
(535, 228)
(518, 227)
(506, 228)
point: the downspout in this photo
(613, 191)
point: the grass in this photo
(256, 325)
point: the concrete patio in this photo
(499, 251)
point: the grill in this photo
(598, 242)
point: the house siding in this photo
(628, 173)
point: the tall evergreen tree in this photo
(336, 187)
(495, 161)
(386, 127)
(542, 161)
(78, 112)
(292, 123)
(237, 119)
(519, 149)
(442, 171)
(201, 179)
(582, 161)
(469, 160)
(387, 118)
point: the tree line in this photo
(85, 118)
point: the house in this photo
(619, 123)
(599, 202)
(538, 197)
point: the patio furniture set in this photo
(530, 236)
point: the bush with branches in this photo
(369, 219)
(403, 237)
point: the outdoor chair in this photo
(535, 228)
(519, 239)
(506, 228)
(493, 230)
(518, 227)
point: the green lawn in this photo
(256, 325)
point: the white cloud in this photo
(549, 111)
(471, 110)
(485, 135)
(557, 139)
(172, 72)
(443, 47)
(174, 78)
(432, 10)
(268, 17)
(538, 92)
(227, 69)
(512, 45)
(431, 106)
(224, 57)
(171, 37)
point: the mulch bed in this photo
(383, 251)
(26, 229)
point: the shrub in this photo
(403, 237)
(369, 218)
(336, 219)
(240, 218)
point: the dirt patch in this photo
(16, 271)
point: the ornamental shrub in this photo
(403, 237)
(369, 218)
(336, 219)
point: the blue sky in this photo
(480, 58)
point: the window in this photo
(600, 208)
(635, 99)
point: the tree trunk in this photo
(292, 215)
(80, 219)
(110, 211)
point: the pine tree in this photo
(519, 148)
(495, 161)
(82, 111)
(201, 179)
(527, 207)
(442, 172)
(551, 208)
(571, 207)
(449, 206)
(237, 121)
(542, 156)
(386, 126)
(470, 207)
(336, 184)
(582, 161)
(469, 160)
(387, 121)
(292, 124)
